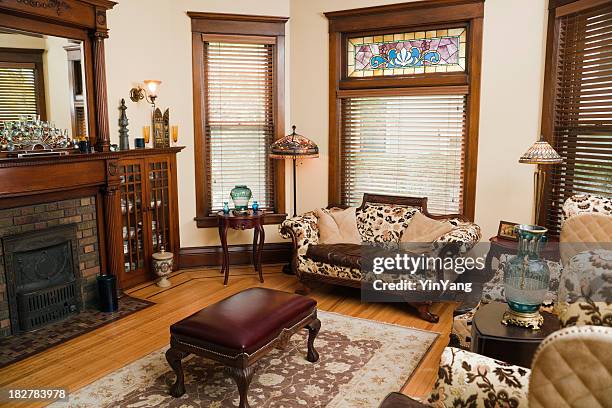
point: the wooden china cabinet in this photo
(149, 213)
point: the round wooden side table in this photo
(251, 220)
(511, 344)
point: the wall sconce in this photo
(150, 94)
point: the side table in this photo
(514, 345)
(501, 246)
(251, 220)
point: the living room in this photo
(330, 203)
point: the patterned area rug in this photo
(361, 361)
(15, 348)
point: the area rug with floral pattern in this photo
(361, 361)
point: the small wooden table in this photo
(514, 345)
(250, 220)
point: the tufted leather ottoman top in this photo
(246, 321)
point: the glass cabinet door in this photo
(132, 211)
(159, 203)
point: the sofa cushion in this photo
(425, 230)
(348, 255)
(383, 222)
(337, 226)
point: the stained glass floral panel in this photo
(418, 52)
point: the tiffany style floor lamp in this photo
(294, 147)
(540, 153)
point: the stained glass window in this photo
(419, 52)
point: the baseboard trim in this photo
(194, 257)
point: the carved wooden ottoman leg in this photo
(243, 377)
(174, 357)
(313, 329)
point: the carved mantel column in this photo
(103, 141)
(112, 216)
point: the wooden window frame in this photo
(556, 10)
(235, 26)
(413, 16)
(30, 56)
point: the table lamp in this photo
(540, 153)
(294, 147)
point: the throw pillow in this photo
(337, 226)
(423, 229)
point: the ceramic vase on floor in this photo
(526, 279)
(162, 266)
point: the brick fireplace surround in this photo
(79, 211)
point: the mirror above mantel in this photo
(41, 85)
(53, 74)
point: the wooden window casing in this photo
(396, 18)
(577, 107)
(32, 98)
(210, 29)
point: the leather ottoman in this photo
(241, 329)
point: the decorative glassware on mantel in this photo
(526, 279)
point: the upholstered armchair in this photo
(581, 283)
(572, 367)
(585, 291)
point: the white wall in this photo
(151, 39)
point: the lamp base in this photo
(532, 320)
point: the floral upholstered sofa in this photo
(381, 220)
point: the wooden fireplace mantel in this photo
(30, 181)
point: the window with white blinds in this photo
(404, 145)
(582, 119)
(17, 90)
(239, 108)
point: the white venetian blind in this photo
(404, 145)
(239, 120)
(17, 90)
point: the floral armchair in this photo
(572, 367)
(581, 284)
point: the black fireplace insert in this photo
(43, 278)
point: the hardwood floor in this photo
(81, 361)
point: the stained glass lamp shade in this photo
(540, 153)
(294, 146)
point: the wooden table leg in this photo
(255, 242)
(225, 253)
(262, 238)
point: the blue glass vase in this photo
(526, 279)
(241, 195)
(255, 206)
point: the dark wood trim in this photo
(195, 257)
(33, 56)
(406, 16)
(397, 7)
(83, 20)
(401, 15)
(548, 102)
(260, 29)
(565, 7)
(212, 221)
